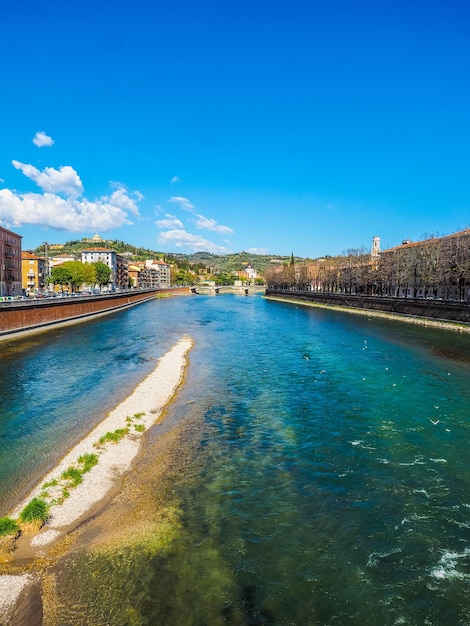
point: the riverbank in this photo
(113, 444)
(19, 319)
(401, 317)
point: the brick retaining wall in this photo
(38, 314)
(452, 311)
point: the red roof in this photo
(97, 250)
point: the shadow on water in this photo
(255, 616)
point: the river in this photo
(320, 476)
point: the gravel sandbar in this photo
(142, 409)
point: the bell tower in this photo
(375, 251)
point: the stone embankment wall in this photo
(27, 316)
(452, 311)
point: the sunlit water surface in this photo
(331, 484)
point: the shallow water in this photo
(328, 481)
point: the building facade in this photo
(33, 273)
(118, 265)
(435, 268)
(134, 271)
(248, 274)
(157, 274)
(10, 263)
(438, 267)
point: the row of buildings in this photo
(26, 273)
(435, 268)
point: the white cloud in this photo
(53, 211)
(202, 221)
(175, 179)
(210, 224)
(257, 250)
(115, 184)
(121, 199)
(61, 208)
(41, 139)
(182, 239)
(169, 223)
(184, 203)
(65, 213)
(64, 180)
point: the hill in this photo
(214, 263)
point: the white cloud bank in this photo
(183, 203)
(257, 250)
(169, 222)
(42, 140)
(60, 206)
(209, 224)
(182, 239)
(179, 237)
(52, 211)
(64, 180)
(202, 222)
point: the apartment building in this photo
(117, 263)
(33, 273)
(438, 267)
(10, 263)
(158, 273)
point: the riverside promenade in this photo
(448, 314)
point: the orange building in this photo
(33, 273)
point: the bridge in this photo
(210, 290)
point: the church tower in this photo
(375, 251)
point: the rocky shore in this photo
(114, 444)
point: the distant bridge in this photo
(209, 290)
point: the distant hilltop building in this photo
(61, 258)
(248, 273)
(95, 239)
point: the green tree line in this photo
(73, 274)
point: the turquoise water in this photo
(332, 485)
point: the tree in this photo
(102, 273)
(224, 279)
(89, 274)
(60, 275)
(78, 273)
(184, 277)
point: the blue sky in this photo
(279, 127)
